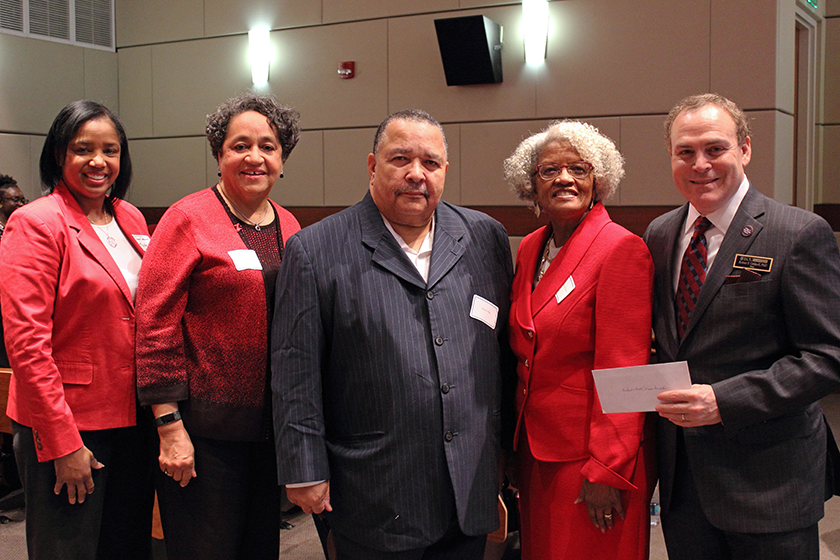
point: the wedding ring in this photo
(167, 473)
(683, 417)
(608, 516)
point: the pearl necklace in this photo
(545, 262)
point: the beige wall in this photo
(619, 65)
(831, 122)
(39, 78)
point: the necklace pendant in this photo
(257, 227)
(111, 241)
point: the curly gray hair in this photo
(594, 147)
(283, 119)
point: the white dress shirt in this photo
(421, 258)
(721, 220)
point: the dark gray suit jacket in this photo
(770, 349)
(383, 383)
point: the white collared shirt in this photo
(721, 220)
(422, 258)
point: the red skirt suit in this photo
(561, 434)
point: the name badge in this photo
(485, 311)
(142, 240)
(565, 289)
(751, 262)
(245, 259)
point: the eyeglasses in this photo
(578, 170)
(16, 199)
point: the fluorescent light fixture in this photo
(535, 30)
(259, 53)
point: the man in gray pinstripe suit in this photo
(742, 453)
(387, 350)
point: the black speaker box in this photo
(471, 50)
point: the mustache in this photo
(414, 189)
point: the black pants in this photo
(230, 511)
(454, 545)
(114, 522)
(690, 536)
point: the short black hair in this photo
(6, 183)
(411, 115)
(64, 128)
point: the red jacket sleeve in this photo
(29, 287)
(623, 305)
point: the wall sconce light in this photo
(535, 30)
(259, 53)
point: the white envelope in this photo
(634, 389)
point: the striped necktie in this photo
(692, 274)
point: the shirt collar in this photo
(723, 216)
(425, 247)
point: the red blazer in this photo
(69, 322)
(603, 322)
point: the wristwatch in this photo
(167, 419)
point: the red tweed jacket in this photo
(202, 328)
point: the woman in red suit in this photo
(581, 300)
(68, 274)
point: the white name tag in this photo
(245, 259)
(142, 240)
(485, 311)
(565, 290)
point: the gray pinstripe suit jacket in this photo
(384, 384)
(770, 349)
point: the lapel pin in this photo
(746, 231)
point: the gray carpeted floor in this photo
(301, 542)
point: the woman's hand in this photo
(74, 470)
(177, 455)
(601, 500)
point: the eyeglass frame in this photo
(560, 169)
(16, 199)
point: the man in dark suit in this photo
(387, 349)
(741, 453)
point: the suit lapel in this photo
(751, 208)
(123, 220)
(569, 257)
(387, 253)
(526, 263)
(89, 240)
(672, 233)
(448, 247)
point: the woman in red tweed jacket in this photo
(581, 300)
(203, 313)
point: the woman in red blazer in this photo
(203, 313)
(581, 300)
(68, 273)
